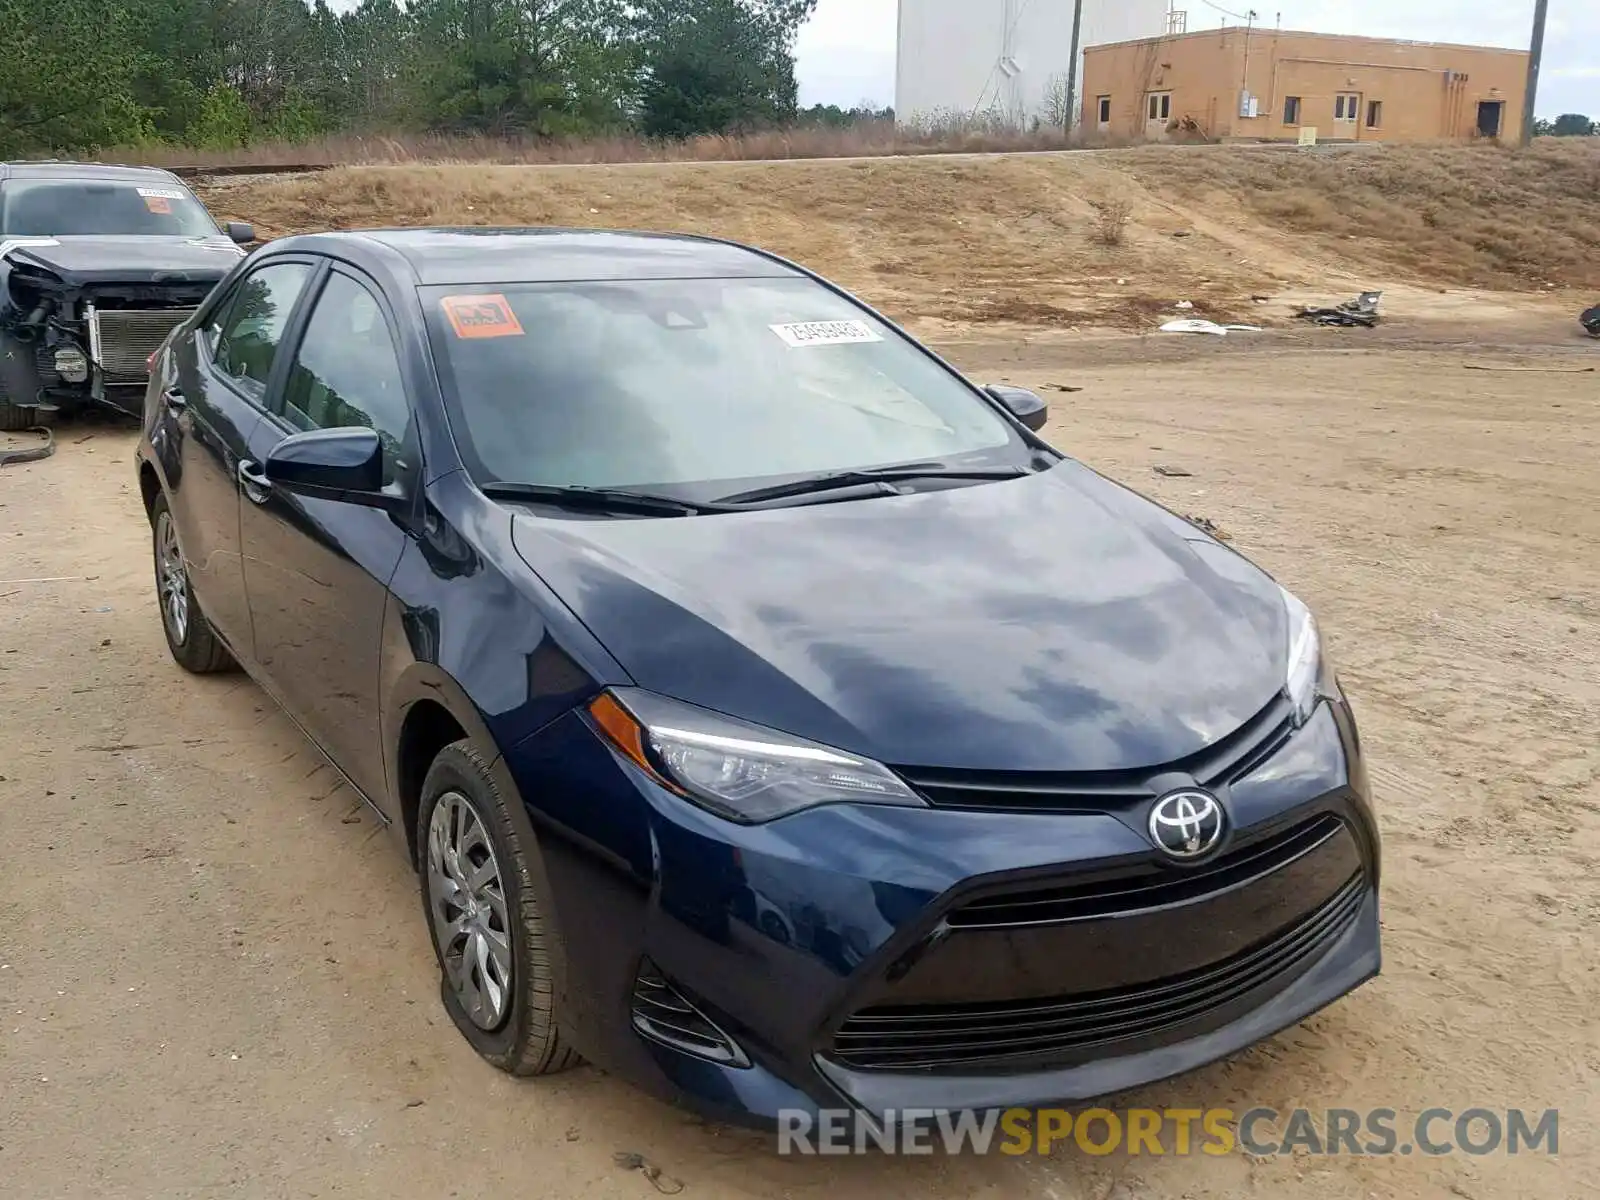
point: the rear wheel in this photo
(488, 928)
(194, 644)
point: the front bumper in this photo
(792, 938)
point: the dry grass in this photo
(1022, 239)
(1479, 215)
(865, 139)
(1111, 223)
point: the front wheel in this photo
(194, 644)
(489, 930)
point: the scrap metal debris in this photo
(1362, 312)
(31, 453)
(1173, 472)
(1195, 325)
(1591, 321)
(1207, 525)
(665, 1184)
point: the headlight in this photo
(742, 772)
(1305, 658)
(71, 364)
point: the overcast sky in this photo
(846, 53)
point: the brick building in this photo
(1269, 85)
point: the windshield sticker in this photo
(158, 204)
(160, 193)
(826, 333)
(481, 316)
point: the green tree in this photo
(67, 69)
(714, 66)
(1573, 125)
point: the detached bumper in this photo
(892, 959)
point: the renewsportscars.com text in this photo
(1177, 1132)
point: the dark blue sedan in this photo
(771, 716)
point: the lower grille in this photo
(1036, 1034)
(123, 339)
(661, 1013)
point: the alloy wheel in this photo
(172, 580)
(466, 900)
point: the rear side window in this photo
(257, 315)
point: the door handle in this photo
(175, 399)
(255, 482)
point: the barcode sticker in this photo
(826, 333)
(160, 193)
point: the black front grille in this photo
(1038, 1034)
(1149, 887)
(661, 1013)
(1101, 791)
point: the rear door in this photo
(318, 571)
(213, 406)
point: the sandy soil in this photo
(214, 979)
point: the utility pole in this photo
(1540, 10)
(1072, 66)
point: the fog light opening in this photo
(662, 1014)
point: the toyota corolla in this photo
(771, 715)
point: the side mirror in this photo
(1027, 407)
(242, 233)
(332, 464)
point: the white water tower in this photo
(1007, 59)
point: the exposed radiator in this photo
(122, 340)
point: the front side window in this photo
(1105, 110)
(121, 208)
(347, 372)
(1291, 110)
(256, 316)
(687, 382)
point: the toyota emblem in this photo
(1187, 825)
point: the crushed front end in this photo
(70, 341)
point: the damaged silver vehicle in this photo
(98, 264)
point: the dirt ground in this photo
(214, 979)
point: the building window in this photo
(1346, 108)
(1375, 114)
(1291, 110)
(1105, 110)
(1160, 106)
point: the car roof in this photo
(451, 257)
(53, 169)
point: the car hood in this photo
(137, 260)
(1055, 623)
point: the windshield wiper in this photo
(601, 499)
(840, 480)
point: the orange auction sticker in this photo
(158, 204)
(481, 316)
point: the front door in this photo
(215, 404)
(1491, 116)
(1346, 112)
(1158, 115)
(317, 570)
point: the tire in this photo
(16, 418)
(194, 644)
(507, 1009)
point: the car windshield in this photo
(700, 381)
(124, 208)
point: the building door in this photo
(1491, 118)
(1158, 114)
(1346, 108)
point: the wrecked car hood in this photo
(78, 261)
